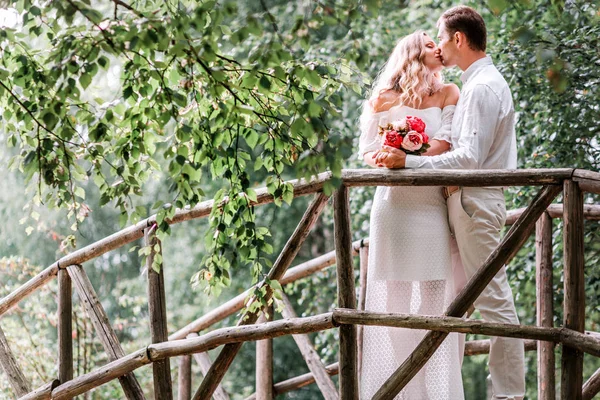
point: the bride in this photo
(410, 262)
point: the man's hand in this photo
(389, 157)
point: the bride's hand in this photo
(389, 157)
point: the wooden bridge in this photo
(348, 318)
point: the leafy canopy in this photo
(187, 91)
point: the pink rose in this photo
(413, 141)
(416, 124)
(401, 125)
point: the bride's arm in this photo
(369, 158)
(437, 147)
(441, 140)
(370, 143)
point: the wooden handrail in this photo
(575, 182)
(350, 177)
(216, 338)
(154, 352)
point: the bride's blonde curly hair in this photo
(406, 74)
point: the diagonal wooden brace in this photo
(105, 332)
(316, 367)
(287, 255)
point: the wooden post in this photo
(15, 376)
(362, 299)
(185, 378)
(544, 306)
(574, 306)
(346, 294)
(163, 387)
(324, 382)
(297, 382)
(105, 332)
(287, 255)
(264, 362)
(65, 327)
(510, 244)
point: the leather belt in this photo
(448, 191)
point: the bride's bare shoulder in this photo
(384, 101)
(451, 94)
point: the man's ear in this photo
(459, 39)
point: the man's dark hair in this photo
(468, 21)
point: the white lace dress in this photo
(410, 271)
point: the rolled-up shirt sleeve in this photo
(445, 131)
(482, 109)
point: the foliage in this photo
(118, 113)
(217, 90)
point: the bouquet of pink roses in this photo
(407, 134)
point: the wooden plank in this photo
(544, 306)
(574, 284)
(15, 376)
(157, 310)
(508, 247)
(580, 341)
(423, 177)
(307, 349)
(44, 392)
(101, 375)
(591, 212)
(264, 361)
(218, 337)
(592, 386)
(346, 294)
(246, 333)
(65, 327)
(102, 327)
(585, 174)
(477, 347)
(185, 378)
(302, 187)
(287, 255)
(237, 303)
(362, 299)
(12, 299)
(588, 185)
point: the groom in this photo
(483, 137)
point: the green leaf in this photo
(85, 80)
(79, 192)
(252, 138)
(103, 62)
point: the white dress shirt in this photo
(483, 128)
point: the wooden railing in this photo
(186, 341)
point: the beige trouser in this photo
(476, 216)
